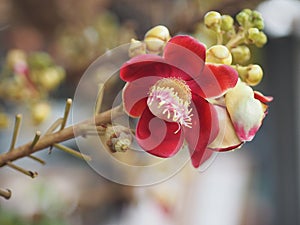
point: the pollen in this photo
(169, 99)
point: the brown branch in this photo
(49, 140)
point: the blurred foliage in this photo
(11, 218)
(28, 79)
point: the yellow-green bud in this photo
(40, 60)
(15, 56)
(253, 34)
(212, 20)
(251, 74)
(156, 38)
(257, 20)
(218, 54)
(257, 37)
(51, 77)
(243, 17)
(261, 40)
(136, 48)
(241, 54)
(226, 22)
(39, 112)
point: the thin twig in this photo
(36, 139)
(18, 120)
(66, 114)
(37, 159)
(54, 126)
(20, 169)
(72, 152)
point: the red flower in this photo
(170, 93)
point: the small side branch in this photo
(5, 193)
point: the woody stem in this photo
(67, 133)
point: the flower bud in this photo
(251, 74)
(241, 54)
(261, 39)
(212, 20)
(136, 48)
(257, 37)
(39, 112)
(15, 56)
(119, 138)
(252, 34)
(156, 38)
(259, 24)
(40, 60)
(257, 20)
(218, 54)
(226, 22)
(243, 17)
(50, 78)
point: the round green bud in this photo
(212, 20)
(252, 74)
(256, 37)
(256, 15)
(241, 54)
(15, 56)
(257, 20)
(247, 11)
(156, 38)
(226, 22)
(242, 18)
(136, 48)
(40, 60)
(259, 24)
(218, 54)
(261, 39)
(253, 34)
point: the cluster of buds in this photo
(236, 36)
(233, 40)
(29, 78)
(153, 43)
(118, 138)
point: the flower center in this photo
(169, 99)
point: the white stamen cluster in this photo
(165, 103)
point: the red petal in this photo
(214, 81)
(204, 129)
(187, 42)
(149, 65)
(187, 54)
(262, 98)
(135, 95)
(157, 136)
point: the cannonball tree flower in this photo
(169, 94)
